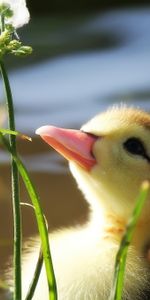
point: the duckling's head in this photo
(109, 156)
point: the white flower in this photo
(20, 12)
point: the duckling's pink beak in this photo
(74, 145)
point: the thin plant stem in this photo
(15, 189)
(37, 272)
(21, 135)
(41, 222)
(38, 267)
(2, 23)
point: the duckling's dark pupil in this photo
(135, 146)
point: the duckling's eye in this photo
(135, 146)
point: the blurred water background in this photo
(82, 63)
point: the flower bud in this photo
(23, 51)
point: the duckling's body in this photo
(110, 177)
(84, 264)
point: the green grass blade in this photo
(12, 132)
(38, 267)
(41, 222)
(8, 131)
(36, 276)
(117, 289)
(17, 223)
(42, 229)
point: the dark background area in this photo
(54, 6)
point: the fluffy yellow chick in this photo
(109, 158)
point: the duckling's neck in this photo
(110, 212)
(110, 225)
(107, 223)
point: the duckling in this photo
(109, 159)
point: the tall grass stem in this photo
(41, 222)
(15, 188)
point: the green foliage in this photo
(40, 221)
(9, 45)
(13, 46)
